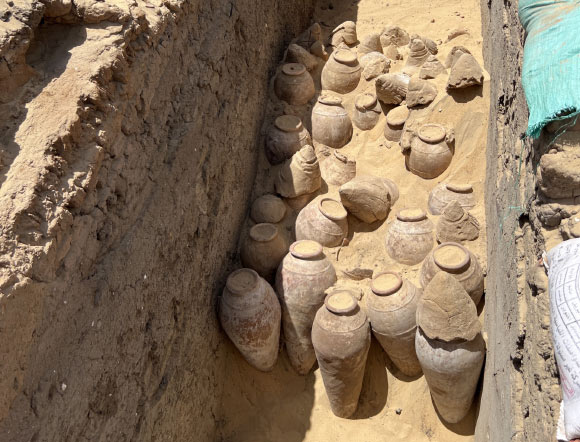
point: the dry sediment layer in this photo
(128, 156)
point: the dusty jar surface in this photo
(263, 249)
(250, 315)
(410, 237)
(444, 193)
(367, 111)
(294, 84)
(396, 119)
(286, 137)
(341, 73)
(323, 220)
(338, 169)
(430, 154)
(331, 124)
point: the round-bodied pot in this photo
(452, 371)
(338, 169)
(294, 84)
(286, 137)
(341, 73)
(341, 338)
(367, 111)
(410, 237)
(263, 249)
(391, 308)
(323, 220)
(301, 281)
(331, 124)
(396, 119)
(456, 260)
(250, 315)
(430, 153)
(443, 193)
(268, 208)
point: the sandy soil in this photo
(282, 406)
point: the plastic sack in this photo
(564, 278)
(551, 70)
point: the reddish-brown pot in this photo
(331, 124)
(301, 281)
(263, 249)
(250, 315)
(341, 338)
(341, 73)
(430, 152)
(410, 237)
(286, 137)
(294, 84)
(323, 220)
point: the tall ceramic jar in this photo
(331, 124)
(367, 111)
(452, 371)
(301, 281)
(286, 137)
(430, 151)
(341, 73)
(250, 315)
(410, 237)
(323, 220)
(263, 249)
(396, 119)
(456, 260)
(341, 338)
(443, 193)
(391, 308)
(338, 169)
(294, 84)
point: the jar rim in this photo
(344, 56)
(288, 123)
(340, 302)
(411, 215)
(451, 261)
(242, 280)
(389, 286)
(365, 101)
(306, 249)
(326, 211)
(459, 187)
(397, 116)
(263, 232)
(431, 133)
(293, 69)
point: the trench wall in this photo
(128, 159)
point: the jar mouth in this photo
(344, 56)
(431, 133)
(365, 102)
(329, 99)
(306, 249)
(293, 69)
(332, 209)
(459, 187)
(341, 302)
(451, 256)
(397, 116)
(386, 283)
(263, 232)
(242, 281)
(288, 123)
(411, 215)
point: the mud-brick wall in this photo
(128, 161)
(520, 389)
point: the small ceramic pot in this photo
(286, 137)
(263, 249)
(430, 151)
(367, 111)
(443, 193)
(396, 119)
(410, 237)
(338, 169)
(341, 73)
(331, 124)
(294, 85)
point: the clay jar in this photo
(367, 197)
(444, 193)
(263, 249)
(338, 169)
(341, 338)
(299, 175)
(294, 85)
(286, 137)
(396, 119)
(331, 124)
(391, 308)
(367, 111)
(268, 209)
(430, 151)
(452, 371)
(301, 281)
(410, 237)
(456, 260)
(322, 220)
(341, 73)
(250, 315)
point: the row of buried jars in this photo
(432, 330)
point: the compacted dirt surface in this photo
(282, 406)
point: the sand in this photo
(284, 407)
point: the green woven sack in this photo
(551, 71)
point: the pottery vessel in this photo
(301, 281)
(418, 53)
(298, 54)
(268, 209)
(396, 119)
(286, 137)
(367, 197)
(392, 88)
(371, 43)
(331, 124)
(338, 169)
(294, 84)
(341, 73)
(430, 151)
(456, 225)
(250, 315)
(452, 371)
(263, 249)
(443, 193)
(456, 260)
(391, 308)
(345, 33)
(299, 175)
(322, 220)
(410, 237)
(341, 338)
(367, 111)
